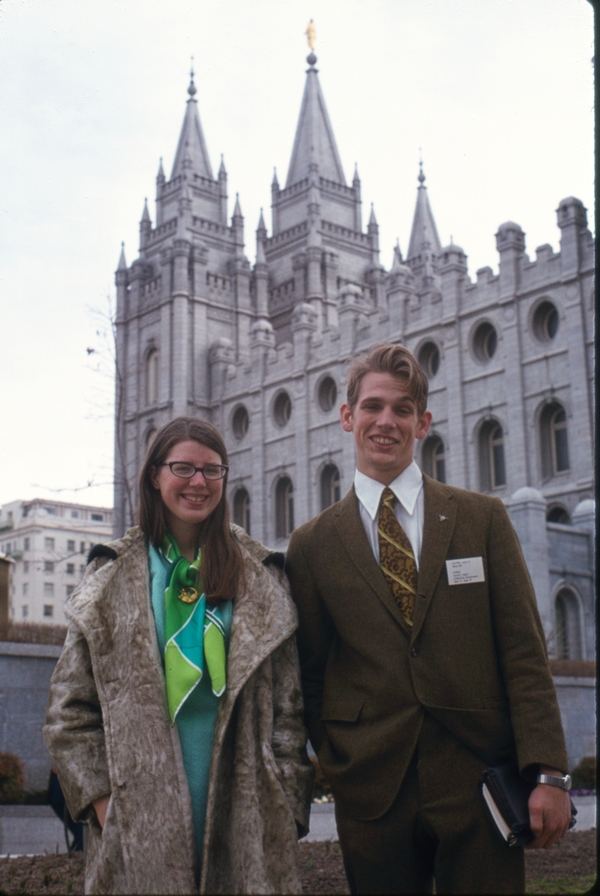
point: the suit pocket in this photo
(342, 709)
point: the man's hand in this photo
(100, 808)
(549, 813)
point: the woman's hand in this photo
(100, 808)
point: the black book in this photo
(506, 794)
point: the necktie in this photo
(396, 557)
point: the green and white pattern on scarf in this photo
(194, 633)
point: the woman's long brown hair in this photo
(222, 564)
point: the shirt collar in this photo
(406, 488)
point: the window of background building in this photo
(152, 377)
(97, 517)
(429, 359)
(240, 423)
(48, 566)
(26, 544)
(25, 588)
(48, 543)
(82, 547)
(330, 486)
(492, 468)
(554, 440)
(434, 458)
(71, 546)
(70, 569)
(70, 590)
(24, 611)
(284, 508)
(327, 395)
(241, 509)
(51, 511)
(485, 342)
(545, 321)
(81, 569)
(48, 610)
(558, 514)
(282, 409)
(48, 589)
(26, 566)
(74, 514)
(568, 626)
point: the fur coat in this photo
(108, 731)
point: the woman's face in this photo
(188, 502)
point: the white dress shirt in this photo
(409, 507)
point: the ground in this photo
(321, 870)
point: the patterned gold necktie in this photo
(396, 557)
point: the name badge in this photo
(465, 570)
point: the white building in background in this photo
(49, 542)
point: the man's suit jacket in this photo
(475, 658)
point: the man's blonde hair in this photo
(386, 357)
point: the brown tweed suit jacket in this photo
(475, 658)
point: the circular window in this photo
(485, 342)
(327, 393)
(240, 422)
(429, 358)
(545, 321)
(282, 409)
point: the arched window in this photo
(330, 486)
(241, 509)
(284, 508)
(554, 440)
(152, 377)
(434, 458)
(558, 514)
(492, 468)
(568, 626)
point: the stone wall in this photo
(25, 671)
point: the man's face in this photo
(385, 423)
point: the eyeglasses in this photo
(186, 471)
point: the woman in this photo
(174, 717)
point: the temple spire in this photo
(314, 130)
(192, 147)
(424, 232)
(122, 263)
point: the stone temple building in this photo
(259, 345)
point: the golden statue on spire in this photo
(311, 34)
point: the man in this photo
(418, 672)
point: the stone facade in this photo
(262, 349)
(48, 542)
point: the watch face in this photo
(567, 780)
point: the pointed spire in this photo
(261, 229)
(145, 213)
(314, 130)
(373, 225)
(397, 260)
(160, 177)
(222, 170)
(191, 140)
(260, 252)
(237, 211)
(423, 228)
(122, 263)
(275, 182)
(356, 178)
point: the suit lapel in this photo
(352, 534)
(438, 527)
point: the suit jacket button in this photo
(414, 651)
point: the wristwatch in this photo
(564, 783)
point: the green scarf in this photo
(194, 632)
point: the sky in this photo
(496, 97)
